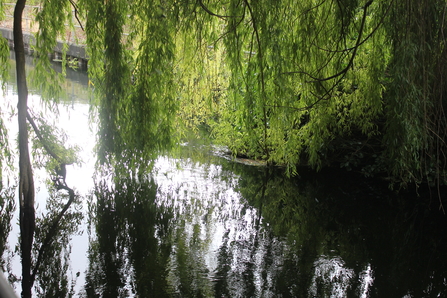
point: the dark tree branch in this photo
(41, 139)
(314, 7)
(260, 58)
(229, 31)
(351, 60)
(26, 180)
(75, 6)
(382, 19)
(343, 72)
(340, 75)
(59, 185)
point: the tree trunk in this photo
(26, 183)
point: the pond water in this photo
(202, 225)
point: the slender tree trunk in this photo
(26, 183)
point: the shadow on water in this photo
(347, 236)
(208, 227)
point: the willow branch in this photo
(76, 13)
(382, 19)
(314, 7)
(319, 98)
(40, 137)
(233, 29)
(212, 13)
(261, 64)
(351, 60)
(54, 227)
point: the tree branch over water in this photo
(75, 6)
(41, 138)
(212, 13)
(60, 186)
(351, 60)
(341, 74)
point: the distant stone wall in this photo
(73, 52)
(28, 39)
(74, 37)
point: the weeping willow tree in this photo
(350, 82)
(347, 82)
(137, 66)
(415, 132)
(353, 83)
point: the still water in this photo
(203, 225)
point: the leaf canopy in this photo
(356, 83)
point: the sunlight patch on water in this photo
(331, 271)
(332, 278)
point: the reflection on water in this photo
(74, 88)
(203, 226)
(214, 228)
(56, 280)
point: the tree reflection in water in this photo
(128, 253)
(7, 208)
(212, 228)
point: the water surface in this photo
(202, 225)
